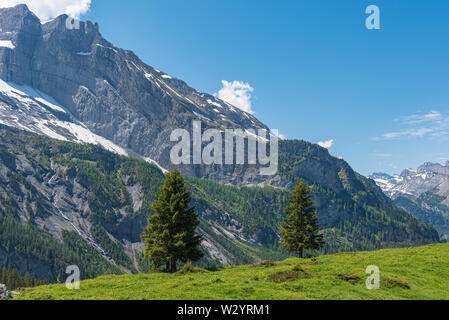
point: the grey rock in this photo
(411, 183)
(4, 293)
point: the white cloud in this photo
(48, 9)
(433, 124)
(419, 118)
(238, 94)
(279, 135)
(420, 132)
(326, 144)
(383, 155)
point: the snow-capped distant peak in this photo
(413, 183)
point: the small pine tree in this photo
(300, 229)
(170, 235)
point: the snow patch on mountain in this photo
(7, 44)
(413, 183)
(31, 110)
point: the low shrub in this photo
(349, 277)
(394, 283)
(283, 276)
(265, 263)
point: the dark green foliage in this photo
(259, 210)
(112, 247)
(143, 264)
(29, 241)
(13, 280)
(428, 208)
(300, 230)
(189, 268)
(171, 232)
(7, 158)
(367, 227)
(90, 262)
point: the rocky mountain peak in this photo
(108, 89)
(63, 36)
(433, 168)
(18, 18)
(413, 183)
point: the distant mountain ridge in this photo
(424, 192)
(413, 183)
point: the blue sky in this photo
(316, 71)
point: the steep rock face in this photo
(135, 107)
(26, 264)
(108, 89)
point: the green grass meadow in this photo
(408, 273)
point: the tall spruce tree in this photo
(300, 229)
(170, 235)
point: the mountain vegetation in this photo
(300, 230)
(171, 235)
(13, 280)
(63, 203)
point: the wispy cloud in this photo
(432, 116)
(326, 144)
(238, 94)
(431, 124)
(421, 132)
(47, 9)
(383, 155)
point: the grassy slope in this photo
(424, 269)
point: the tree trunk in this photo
(173, 267)
(167, 266)
(301, 250)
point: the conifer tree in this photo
(300, 229)
(170, 235)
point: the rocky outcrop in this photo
(4, 293)
(26, 264)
